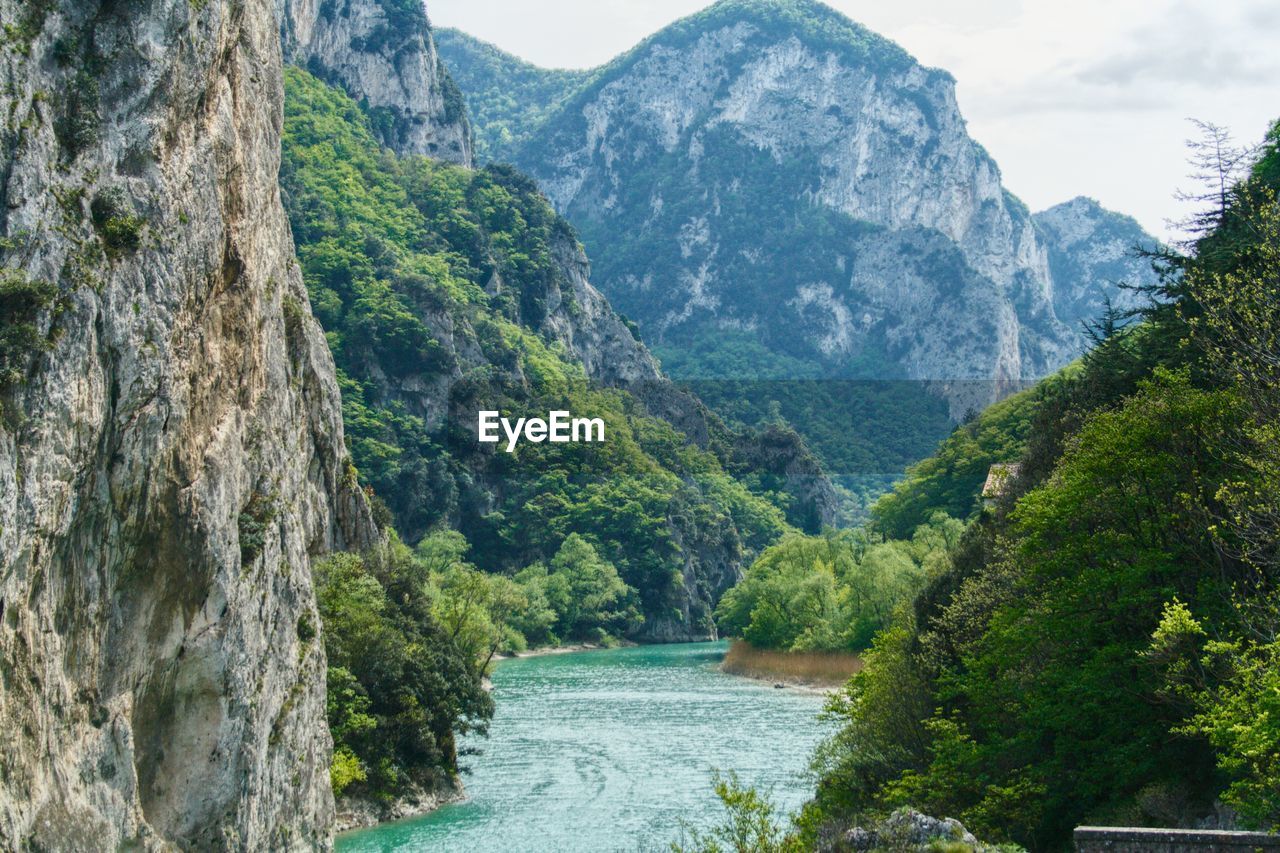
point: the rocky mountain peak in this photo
(776, 171)
(1092, 252)
(382, 52)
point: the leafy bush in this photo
(115, 221)
(252, 525)
(749, 823)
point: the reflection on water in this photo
(613, 750)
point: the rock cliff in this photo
(382, 53)
(1093, 249)
(171, 454)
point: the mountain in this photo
(171, 449)
(769, 174)
(1093, 248)
(447, 291)
(507, 96)
(381, 52)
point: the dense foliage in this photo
(833, 592)
(950, 480)
(410, 635)
(436, 287)
(578, 596)
(508, 97)
(1102, 647)
(400, 687)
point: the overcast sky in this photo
(1088, 97)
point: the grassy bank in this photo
(827, 669)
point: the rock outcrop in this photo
(608, 350)
(171, 454)
(382, 53)
(908, 830)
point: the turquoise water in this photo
(613, 750)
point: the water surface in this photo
(612, 750)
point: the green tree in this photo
(1102, 645)
(590, 600)
(833, 592)
(399, 688)
(749, 825)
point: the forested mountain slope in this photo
(445, 291)
(1101, 646)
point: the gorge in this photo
(265, 263)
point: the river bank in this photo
(823, 670)
(562, 650)
(352, 813)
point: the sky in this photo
(1087, 97)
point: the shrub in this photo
(118, 226)
(21, 301)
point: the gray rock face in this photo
(609, 352)
(174, 458)
(382, 53)
(1093, 249)
(909, 830)
(780, 171)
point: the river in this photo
(613, 750)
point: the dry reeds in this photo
(828, 669)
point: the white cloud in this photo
(1083, 98)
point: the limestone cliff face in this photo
(1093, 248)
(773, 168)
(172, 458)
(609, 352)
(382, 53)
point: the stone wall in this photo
(1119, 839)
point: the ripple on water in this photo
(613, 750)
